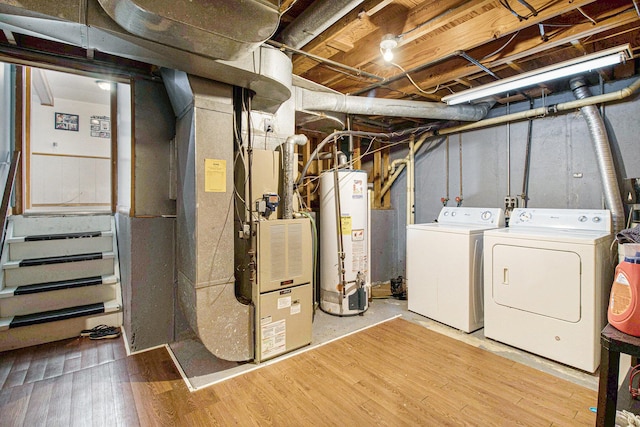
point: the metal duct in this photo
(224, 29)
(315, 19)
(204, 220)
(266, 71)
(604, 158)
(325, 101)
(290, 168)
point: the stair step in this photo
(54, 315)
(51, 245)
(58, 268)
(57, 260)
(55, 286)
(48, 332)
(60, 259)
(81, 235)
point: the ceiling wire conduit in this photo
(602, 149)
(339, 103)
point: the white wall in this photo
(44, 136)
(68, 167)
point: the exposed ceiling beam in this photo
(481, 23)
(522, 49)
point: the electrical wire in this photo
(593, 21)
(414, 83)
(500, 49)
(506, 5)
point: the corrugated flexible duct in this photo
(604, 158)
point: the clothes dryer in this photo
(444, 266)
(547, 278)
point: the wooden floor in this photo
(397, 373)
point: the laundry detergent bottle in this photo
(624, 303)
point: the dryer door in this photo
(537, 280)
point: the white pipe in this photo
(411, 180)
(290, 168)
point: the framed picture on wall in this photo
(66, 121)
(100, 126)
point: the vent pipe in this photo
(602, 148)
(290, 168)
(315, 19)
(338, 103)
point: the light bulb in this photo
(387, 44)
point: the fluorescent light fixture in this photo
(579, 65)
(103, 84)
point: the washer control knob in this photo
(486, 215)
(596, 219)
(524, 217)
(446, 213)
(453, 213)
(582, 218)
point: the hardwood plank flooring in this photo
(396, 374)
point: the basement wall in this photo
(563, 171)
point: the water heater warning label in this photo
(358, 189)
(346, 224)
(273, 338)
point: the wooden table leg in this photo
(608, 388)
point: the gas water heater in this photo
(345, 278)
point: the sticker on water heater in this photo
(358, 256)
(345, 224)
(358, 189)
(284, 302)
(357, 235)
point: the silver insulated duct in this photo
(604, 158)
(224, 29)
(326, 101)
(204, 223)
(316, 18)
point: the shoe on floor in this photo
(105, 333)
(87, 332)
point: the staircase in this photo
(60, 274)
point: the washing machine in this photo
(547, 280)
(444, 266)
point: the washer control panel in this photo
(568, 219)
(464, 215)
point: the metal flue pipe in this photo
(290, 167)
(602, 149)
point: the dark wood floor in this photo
(393, 374)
